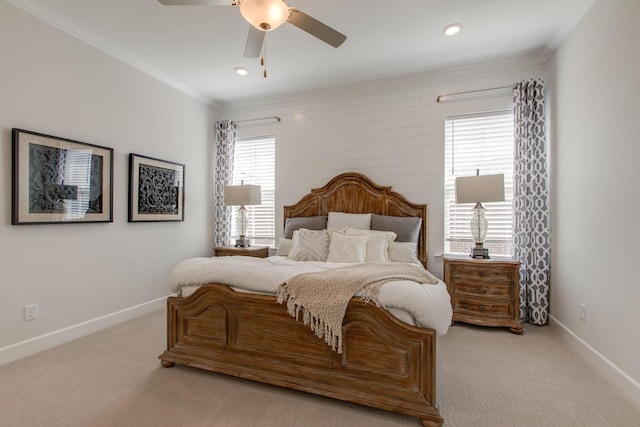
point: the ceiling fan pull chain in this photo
(263, 61)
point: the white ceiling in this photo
(196, 48)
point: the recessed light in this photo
(452, 29)
(241, 71)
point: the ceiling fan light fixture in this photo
(265, 15)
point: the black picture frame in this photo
(59, 180)
(156, 189)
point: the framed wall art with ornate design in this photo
(156, 189)
(58, 180)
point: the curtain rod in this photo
(260, 119)
(439, 98)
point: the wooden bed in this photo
(385, 363)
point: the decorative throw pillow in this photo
(340, 220)
(309, 245)
(377, 247)
(403, 252)
(284, 247)
(347, 247)
(309, 222)
(407, 228)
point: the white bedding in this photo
(418, 304)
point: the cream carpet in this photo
(486, 377)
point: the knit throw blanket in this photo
(323, 296)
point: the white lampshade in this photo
(242, 195)
(482, 188)
(265, 15)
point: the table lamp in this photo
(242, 195)
(478, 189)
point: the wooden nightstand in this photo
(255, 251)
(484, 292)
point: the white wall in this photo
(76, 273)
(595, 107)
(391, 130)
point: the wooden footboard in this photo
(385, 363)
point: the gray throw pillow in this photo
(309, 222)
(407, 228)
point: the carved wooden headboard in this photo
(353, 192)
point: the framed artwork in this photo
(156, 189)
(58, 180)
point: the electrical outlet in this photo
(583, 312)
(30, 312)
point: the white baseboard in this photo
(620, 379)
(43, 342)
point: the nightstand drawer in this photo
(481, 275)
(471, 288)
(495, 309)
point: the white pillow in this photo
(340, 220)
(403, 252)
(347, 248)
(309, 245)
(284, 246)
(377, 247)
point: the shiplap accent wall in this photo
(392, 130)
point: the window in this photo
(481, 142)
(254, 163)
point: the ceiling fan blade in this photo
(254, 42)
(198, 2)
(316, 28)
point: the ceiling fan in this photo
(267, 15)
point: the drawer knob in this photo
(482, 308)
(483, 290)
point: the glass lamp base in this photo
(479, 225)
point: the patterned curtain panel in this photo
(225, 143)
(531, 222)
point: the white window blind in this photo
(254, 162)
(481, 142)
